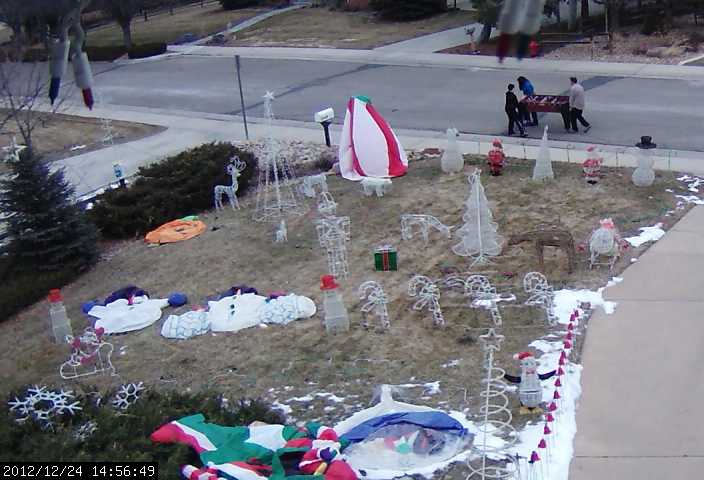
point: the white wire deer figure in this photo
(377, 302)
(234, 169)
(428, 295)
(424, 222)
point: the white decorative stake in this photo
(478, 236)
(543, 164)
(310, 182)
(428, 295)
(326, 204)
(452, 161)
(90, 355)
(380, 186)
(494, 419)
(540, 294)
(234, 169)
(333, 235)
(643, 175)
(276, 195)
(127, 395)
(43, 405)
(376, 302)
(281, 234)
(605, 241)
(424, 223)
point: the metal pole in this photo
(244, 111)
(326, 127)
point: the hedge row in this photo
(95, 54)
(173, 188)
(124, 437)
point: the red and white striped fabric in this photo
(368, 146)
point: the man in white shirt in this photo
(577, 106)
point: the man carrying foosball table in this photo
(548, 103)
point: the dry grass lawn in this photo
(283, 362)
(320, 27)
(168, 28)
(58, 135)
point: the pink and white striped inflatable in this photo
(368, 146)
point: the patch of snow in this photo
(647, 234)
(691, 199)
(330, 396)
(77, 147)
(451, 363)
(305, 398)
(329, 408)
(285, 409)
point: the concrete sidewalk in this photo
(433, 42)
(186, 129)
(640, 415)
(466, 62)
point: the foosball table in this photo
(548, 104)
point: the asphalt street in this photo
(429, 98)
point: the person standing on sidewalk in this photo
(511, 109)
(577, 106)
(527, 88)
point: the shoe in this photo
(524, 135)
(587, 128)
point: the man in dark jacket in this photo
(511, 109)
(527, 88)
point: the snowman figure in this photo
(530, 391)
(643, 175)
(452, 161)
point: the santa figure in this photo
(496, 157)
(592, 166)
(530, 392)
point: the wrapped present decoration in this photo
(385, 258)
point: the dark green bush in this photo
(652, 23)
(105, 54)
(173, 188)
(147, 50)
(406, 10)
(21, 288)
(125, 437)
(237, 4)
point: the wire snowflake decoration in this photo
(43, 405)
(127, 395)
(85, 431)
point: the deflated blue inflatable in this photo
(434, 420)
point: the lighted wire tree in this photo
(478, 236)
(276, 195)
(495, 420)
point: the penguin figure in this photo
(530, 392)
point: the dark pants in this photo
(527, 116)
(513, 118)
(576, 114)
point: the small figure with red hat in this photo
(592, 166)
(496, 157)
(530, 392)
